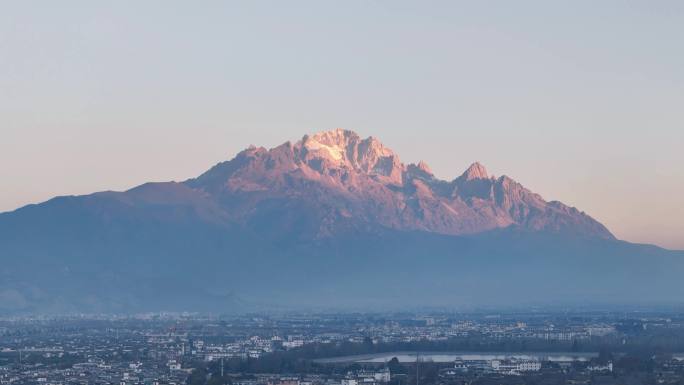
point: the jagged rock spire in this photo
(475, 171)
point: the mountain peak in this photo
(342, 147)
(331, 144)
(336, 135)
(475, 171)
(344, 180)
(423, 166)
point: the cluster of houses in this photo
(509, 366)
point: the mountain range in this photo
(331, 221)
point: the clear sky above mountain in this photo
(579, 101)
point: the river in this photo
(452, 356)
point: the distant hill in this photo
(332, 220)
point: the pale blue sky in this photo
(581, 101)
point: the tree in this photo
(395, 367)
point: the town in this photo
(344, 349)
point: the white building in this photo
(515, 366)
(381, 375)
(601, 368)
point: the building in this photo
(515, 366)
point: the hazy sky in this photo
(582, 102)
